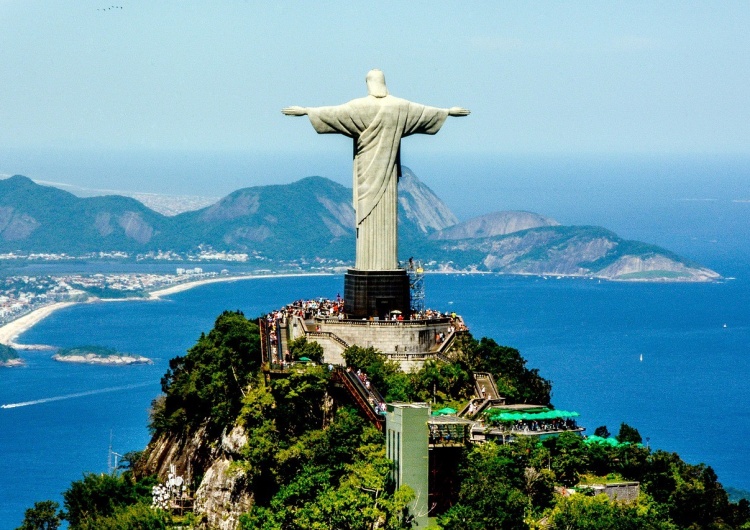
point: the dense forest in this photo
(312, 462)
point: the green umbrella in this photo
(606, 441)
(305, 359)
(444, 412)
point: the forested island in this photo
(98, 355)
(260, 452)
(9, 356)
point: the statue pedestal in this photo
(376, 293)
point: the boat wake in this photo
(72, 396)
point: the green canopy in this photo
(444, 412)
(508, 416)
(518, 415)
(304, 359)
(594, 439)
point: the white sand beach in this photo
(10, 332)
(189, 285)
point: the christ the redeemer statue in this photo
(376, 123)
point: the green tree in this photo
(491, 494)
(43, 515)
(382, 373)
(602, 431)
(600, 459)
(660, 481)
(301, 347)
(208, 383)
(628, 434)
(698, 498)
(332, 478)
(581, 512)
(299, 400)
(539, 486)
(100, 495)
(569, 457)
(130, 460)
(446, 382)
(132, 517)
(632, 461)
(739, 514)
(516, 382)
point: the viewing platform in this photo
(449, 431)
(408, 341)
(507, 423)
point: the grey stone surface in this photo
(409, 343)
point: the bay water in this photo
(672, 360)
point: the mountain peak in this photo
(495, 224)
(19, 181)
(419, 204)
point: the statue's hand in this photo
(294, 111)
(458, 111)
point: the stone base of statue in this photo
(376, 293)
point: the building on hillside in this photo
(406, 434)
(409, 340)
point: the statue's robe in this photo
(377, 124)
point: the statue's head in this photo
(376, 84)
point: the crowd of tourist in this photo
(373, 396)
(308, 309)
(529, 426)
(334, 308)
(324, 308)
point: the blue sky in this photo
(187, 77)
(539, 77)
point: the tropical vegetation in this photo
(312, 461)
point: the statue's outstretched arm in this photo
(458, 111)
(294, 111)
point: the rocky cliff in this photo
(419, 205)
(222, 494)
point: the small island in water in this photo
(9, 356)
(98, 355)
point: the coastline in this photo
(10, 332)
(11, 363)
(161, 293)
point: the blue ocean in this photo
(670, 359)
(688, 393)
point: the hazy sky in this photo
(184, 96)
(539, 77)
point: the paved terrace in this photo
(409, 341)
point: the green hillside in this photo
(311, 222)
(46, 219)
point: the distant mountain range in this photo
(312, 220)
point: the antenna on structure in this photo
(112, 457)
(109, 453)
(416, 285)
